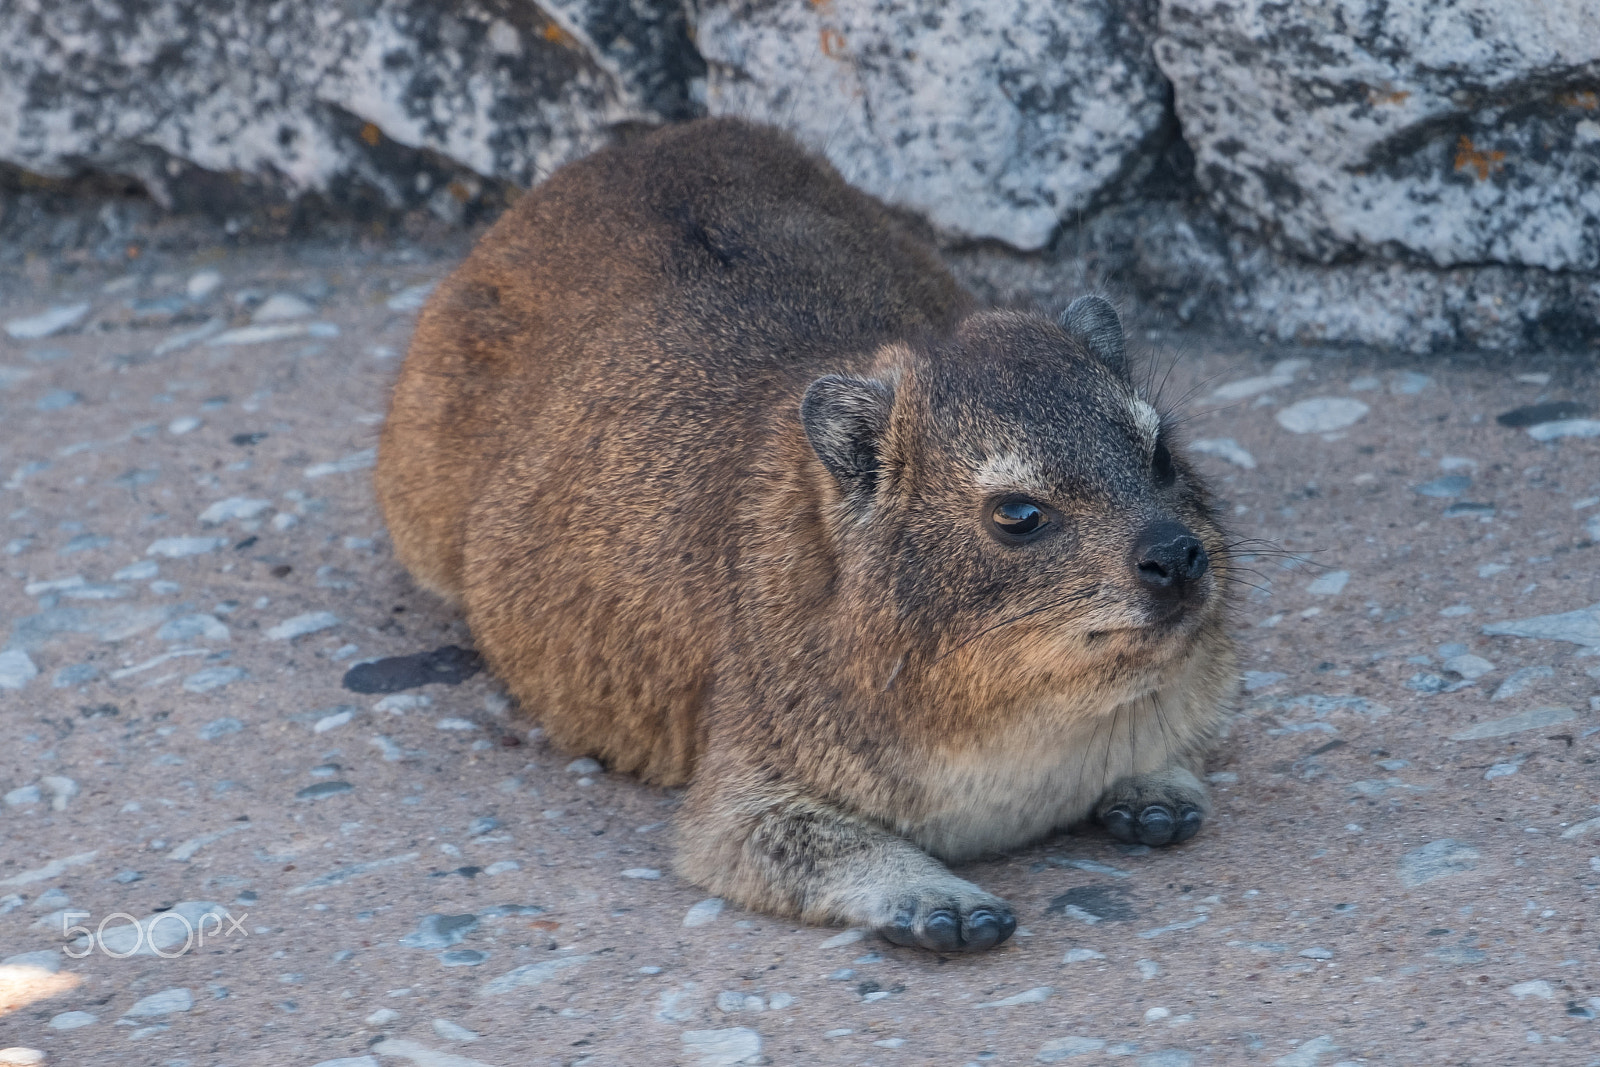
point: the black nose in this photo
(1169, 557)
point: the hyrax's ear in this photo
(845, 420)
(1092, 320)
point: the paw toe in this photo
(901, 929)
(1189, 820)
(1118, 821)
(1156, 825)
(942, 931)
(986, 928)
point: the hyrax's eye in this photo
(1161, 465)
(1019, 519)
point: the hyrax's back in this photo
(573, 434)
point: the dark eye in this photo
(1019, 518)
(1161, 465)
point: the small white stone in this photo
(1536, 988)
(502, 867)
(1330, 584)
(202, 283)
(1156, 1014)
(1469, 666)
(285, 520)
(233, 509)
(141, 571)
(643, 874)
(256, 335)
(1036, 995)
(722, 1048)
(382, 1017)
(849, 937)
(16, 669)
(18, 1056)
(71, 1020)
(179, 547)
(1322, 414)
(355, 461)
(1225, 448)
(704, 912)
(1148, 969)
(453, 1031)
(455, 724)
(331, 722)
(280, 307)
(300, 625)
(584, 765)
(1082, 955)
(1550, 431)
(412, 298)
(46, 323)
(165, 1002)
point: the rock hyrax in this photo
(738, 489)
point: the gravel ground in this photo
(1403, 867)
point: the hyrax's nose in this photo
(1169, 558)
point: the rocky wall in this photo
(1419, 173)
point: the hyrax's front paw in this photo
(1154, 809)
(946, 916)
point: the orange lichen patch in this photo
(1483, 163)
(21, 986)
(833, 43)
(556, 35)
(371, 134)
(1588, 99)
(1386, 96)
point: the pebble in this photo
(255, 335)
(1082, 955)
(1409, 383)
(1513, 724)
(1539, 414)
(23, 795)
(1225, 448)
(450, 665)
(280, 307)
(643, 874)
(453, 1031)
(355, 461)
(1581, 627)
(1469, 666)
(218, 728)
(1451, 485)
(16, 669)
(721, 1048)
(533, 974)
(1330, 584)
(411, 298)
(1254, 680)
(1536, 988)
(143, 570)
(502, 867)
(179, 547)
(193, 628)
(323, 789)
(1520, 681)
(165, 1002)
(211, 678)
(462, 957)
(780, 1001)
(455, 724)
(585, 765)
(202, 284)
(1063, 1048)
(704, 912)
(1435, 860)
(1036, 995)
(421, 1055)
(72, 1020)
(1551, 431)
(1282, 374)
(1322, 414)
(61, 790)
(233, 509)
(349, 1061)
(18, 1056)
(848, 937)
(1148, 969)
(58, 400)
(1316, 954)
(46, 323)
(332, 722)
(382, 1017)
(301, 625)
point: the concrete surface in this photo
(1403, 867)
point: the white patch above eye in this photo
(1146, 418)
(1009, 472)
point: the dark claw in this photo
(1189, 820)
(1118, 822)
(942, 932)
(1156, 825)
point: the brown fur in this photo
(597, 448)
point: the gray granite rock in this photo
(1447, 132)
(994, 120)
(405, 102)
